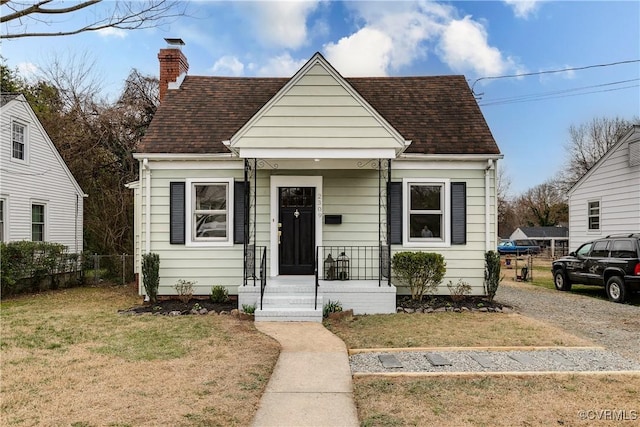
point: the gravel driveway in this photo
(614, 326)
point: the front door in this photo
(296, 223)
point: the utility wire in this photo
(548, 95)
(537, 73)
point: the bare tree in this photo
(17, 17)
(588, 143)
(542, 205)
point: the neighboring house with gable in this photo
(311, 183)
(40, 199)
(606, 200)
(553, 240)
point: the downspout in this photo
(147, 214)
(487, 205)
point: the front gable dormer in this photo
(317, 114)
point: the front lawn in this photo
(68, 358)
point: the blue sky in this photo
(529, 116)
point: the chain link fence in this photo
(116, 269)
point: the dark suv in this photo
(612, 262)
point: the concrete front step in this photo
(292, 301)
(288, 315)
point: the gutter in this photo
(147, 216)
(487, 204)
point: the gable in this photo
(317, 114)
(621, 148)
(16, 107)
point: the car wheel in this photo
(616, 290)
(560, 281)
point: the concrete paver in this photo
(311, 383)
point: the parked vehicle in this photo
(612, 262)
(518, 247)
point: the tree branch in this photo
(124, 15)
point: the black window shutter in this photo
(238, 211)
(395, 212)
(458, 213)
(176, 213)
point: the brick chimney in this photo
(173, 64)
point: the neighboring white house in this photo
(39, 198)
(296, 181)
(606, 200)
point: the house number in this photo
(319, 205)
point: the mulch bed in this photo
(170, 306)
(471, 303)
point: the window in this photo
(428, 213)
(210, 212)
(18, 141)
(2, 221)
(37, 223)
(600, 249)
(623, 249)
(584, 249)
(593, 215)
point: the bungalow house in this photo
(606, 200)
(40, 199)
(295, 191)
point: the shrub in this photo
(331, 307)
(184, 288)
(492, 276)
(248, 308)
(151, 275)
(219, 294)
(25, 265)
(459, 291)
(422, 272)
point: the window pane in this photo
(211, 197)
(425, 226)
(37, 232)
(211, 225)
(594, 223)
(425, 197)
(37, 214)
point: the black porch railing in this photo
(263, 273)
(352, 263)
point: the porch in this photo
(357, 278)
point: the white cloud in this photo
(464, 47)
(281, 66)
(112, 32)
(393, 35)
(28, 70)
(281, 24)
(365, 53)
(523, 8)
(228, 66)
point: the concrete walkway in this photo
(311, 383)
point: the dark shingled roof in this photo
(5, 97)
(437, 113)
(545, 232)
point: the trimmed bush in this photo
(151, 275)
(492, 277)
(422, 272)
(34, 266)
(219, 294)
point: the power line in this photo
(560, 96)
(557, 93)
(537, 73)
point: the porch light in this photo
(343, 266)
(329, 268)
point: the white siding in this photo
(617, 186)
(352, 193)
(42, 179)
(317, 111)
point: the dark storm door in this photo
(297, 230)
